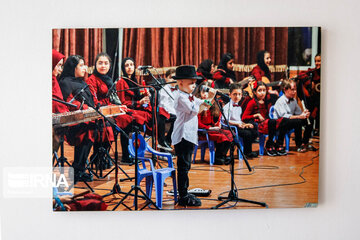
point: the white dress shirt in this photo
(165, 100)
(232, 114)
(186, 123)
(285, 108)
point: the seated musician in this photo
(206, 70)
(257, 113)
(287, 108)
(166, 101)
(309, 91)
(262, 72)
(233, 112)
(134, 98)
(57, 64)
(224, 75)
(209, 119)
(99, 84)
(82, 135)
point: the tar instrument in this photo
(249, 88)
(81, 116)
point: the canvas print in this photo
(185, 118)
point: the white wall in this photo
(25, 122)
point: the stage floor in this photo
(280, 182)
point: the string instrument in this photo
(81, 116)
(317, 87)
(250, 87)
(304, 76)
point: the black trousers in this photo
(297, 124)
(248, 135)
(272, 131)
(81, 154)
(183, 151)
(221, 149)
(161, 128)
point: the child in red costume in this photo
(257, 112)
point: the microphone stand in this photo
(154, 104)
(233, 193)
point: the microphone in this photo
(144, 67)
(204, 88)
(225, 97)
(78, 93)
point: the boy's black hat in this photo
(186, 72)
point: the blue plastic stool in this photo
(203, 144)
(287, 135)
(152, 175)
(262, 138)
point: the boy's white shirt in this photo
(186, 123)
(233, 114)
(165, 100)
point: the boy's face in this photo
(290, 92)
(187, 85)
(236, 95)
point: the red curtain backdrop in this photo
(170, 47)
(85, 42)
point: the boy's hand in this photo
(212, 93)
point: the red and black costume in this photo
(82, 136)
(262, 70)
(99, 89)
(130, 95)
(258, 73)
(309, 90)
(56, 106)
(223, 75)
(221, 137)
(56, 91)
(268, 126)
(204, 71)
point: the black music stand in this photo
(99, 158)
(233, 196)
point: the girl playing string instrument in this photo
(224, 75)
